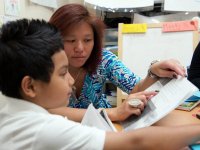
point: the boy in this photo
(34, 77)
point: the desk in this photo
(175, 118)
(179, 117)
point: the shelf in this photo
(110, 43)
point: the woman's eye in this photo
(88, 40)
(70, 41)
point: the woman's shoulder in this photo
(108, 56)
(107, 53)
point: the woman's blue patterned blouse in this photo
(112, 69)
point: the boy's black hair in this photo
(26, 48)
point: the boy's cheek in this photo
(67, 103)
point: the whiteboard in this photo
(138, 50)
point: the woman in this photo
(90, 66)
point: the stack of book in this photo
(191, 102)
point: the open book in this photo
(172, 92)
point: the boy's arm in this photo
(115, 114)
(153, 138)
(118, 113)
(75, 114)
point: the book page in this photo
(107, 119)
(171, 94)
(93, 118)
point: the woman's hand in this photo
(170, 68)
(125, 110)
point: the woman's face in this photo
(78, 44)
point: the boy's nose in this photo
(71, 80)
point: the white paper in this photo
(12, 7)
(171, 94)
(93, 118)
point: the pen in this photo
(198, 116)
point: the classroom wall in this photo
(30, 10)
(1, 7)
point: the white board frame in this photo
(137, 50)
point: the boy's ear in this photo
(27, 87)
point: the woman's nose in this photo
(79, 47)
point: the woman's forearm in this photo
(143, 84)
